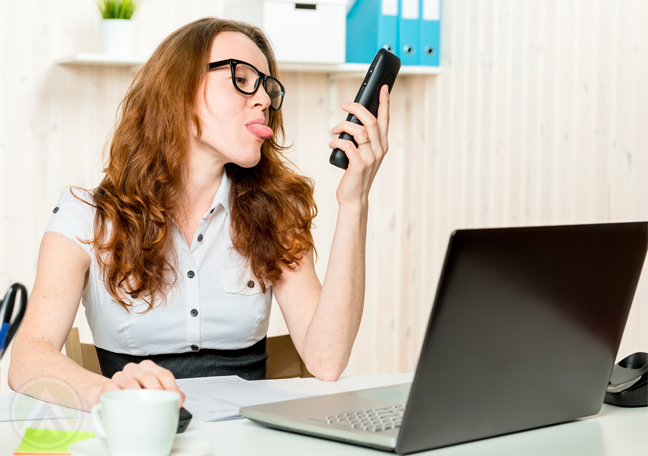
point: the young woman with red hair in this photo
(197, 221)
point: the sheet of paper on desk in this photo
(219, 398)
(19, 407)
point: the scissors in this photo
(9, 327)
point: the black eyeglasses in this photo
(246, 78)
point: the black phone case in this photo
(183, 420)
(383, 70)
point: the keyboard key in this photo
(346, 425)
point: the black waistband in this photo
(248, 363)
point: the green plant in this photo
(117, 9)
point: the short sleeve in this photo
(74, 218)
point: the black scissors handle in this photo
(7, 310)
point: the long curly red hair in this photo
(271, 206)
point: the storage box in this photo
(311, 31)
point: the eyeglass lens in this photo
(247, 80)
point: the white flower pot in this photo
(117, 36)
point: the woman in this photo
(196, 222)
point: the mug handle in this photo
(98, 422)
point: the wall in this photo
(540, 117)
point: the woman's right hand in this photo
(145, 374)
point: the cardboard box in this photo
(312, 31)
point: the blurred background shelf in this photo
(341, 69)
(85, 58)
(351, 69)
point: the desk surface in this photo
(614, 431)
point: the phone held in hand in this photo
(383, 70)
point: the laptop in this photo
(523, 333)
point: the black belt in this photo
(248, 363)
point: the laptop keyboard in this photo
(371, 420)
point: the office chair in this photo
(283, 359)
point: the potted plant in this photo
(117, 27)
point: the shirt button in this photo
(194, 348)
(194, 313)
(251, 284)
(211, 212)
(191, 274)
(200, 238)
(56, 209)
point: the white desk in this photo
(614, 431)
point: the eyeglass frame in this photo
(264, 77)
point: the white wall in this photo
(540, 117)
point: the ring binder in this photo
(371, 25)
(408, 32)
(429, 32)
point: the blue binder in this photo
(408, 32)
(371, 25)
(429, 32)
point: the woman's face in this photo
(232, 122)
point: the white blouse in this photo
(216, 303)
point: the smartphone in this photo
(183, 420)
(383, 70)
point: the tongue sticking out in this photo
(261, 130)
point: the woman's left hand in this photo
(365, 159)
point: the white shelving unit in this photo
(339, 70)
(85, 58)
(350, 69)
(333, 70)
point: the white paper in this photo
(431, 10)
(207, 399)
(220, 398)
(390, 7)
(19, 407)
(410, 9)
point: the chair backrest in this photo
(85, 355)
(283, 359)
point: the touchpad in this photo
(392, 394)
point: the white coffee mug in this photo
(138, 422)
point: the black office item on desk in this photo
(383, 70)
(183, 420)
(629, 382)
(9, 322)
(524, 331)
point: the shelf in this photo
(102, 59)
(335, 71)
(338, 69)
(350, 69)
